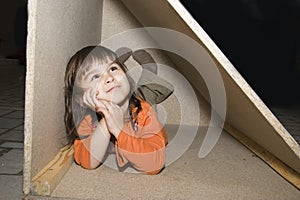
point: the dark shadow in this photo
(20, 34)
(261, 39)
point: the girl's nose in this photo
(109, 78)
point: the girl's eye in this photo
(96, 76)
(113, 68)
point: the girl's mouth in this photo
(112, 89)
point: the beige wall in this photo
(56, 30)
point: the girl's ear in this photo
(123, 53)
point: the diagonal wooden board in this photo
(246, 112)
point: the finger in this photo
(111, 104)
(107, 105)
(95, 100)
(92, 98)
(100, 106)
(104, 107)
(88, 99)
(103, 111)
(85, 100)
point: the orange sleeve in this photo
(82, 145)
(144, 149)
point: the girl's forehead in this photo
(93, 65)
(98, 64)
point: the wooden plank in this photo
(285, 171)
(48, 178)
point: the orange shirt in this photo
(143, 148)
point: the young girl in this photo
(102, 106)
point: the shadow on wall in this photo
(261, 39)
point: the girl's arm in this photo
(99, 142)
(90, 150)
(144, 149)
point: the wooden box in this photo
(56, 29)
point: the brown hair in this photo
(78, 63)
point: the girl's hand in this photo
(89, 99)
(113, 115)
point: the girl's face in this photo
(108, 82)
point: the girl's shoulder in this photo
(145, 105)
(146, 110)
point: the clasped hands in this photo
(113, 116)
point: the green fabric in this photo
(155, 89)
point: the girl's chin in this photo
(114, 101)
(119, 101)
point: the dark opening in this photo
(260, 38)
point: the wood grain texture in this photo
(49, 177)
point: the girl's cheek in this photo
(100, 95)
(121, 77)
(96, 87)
